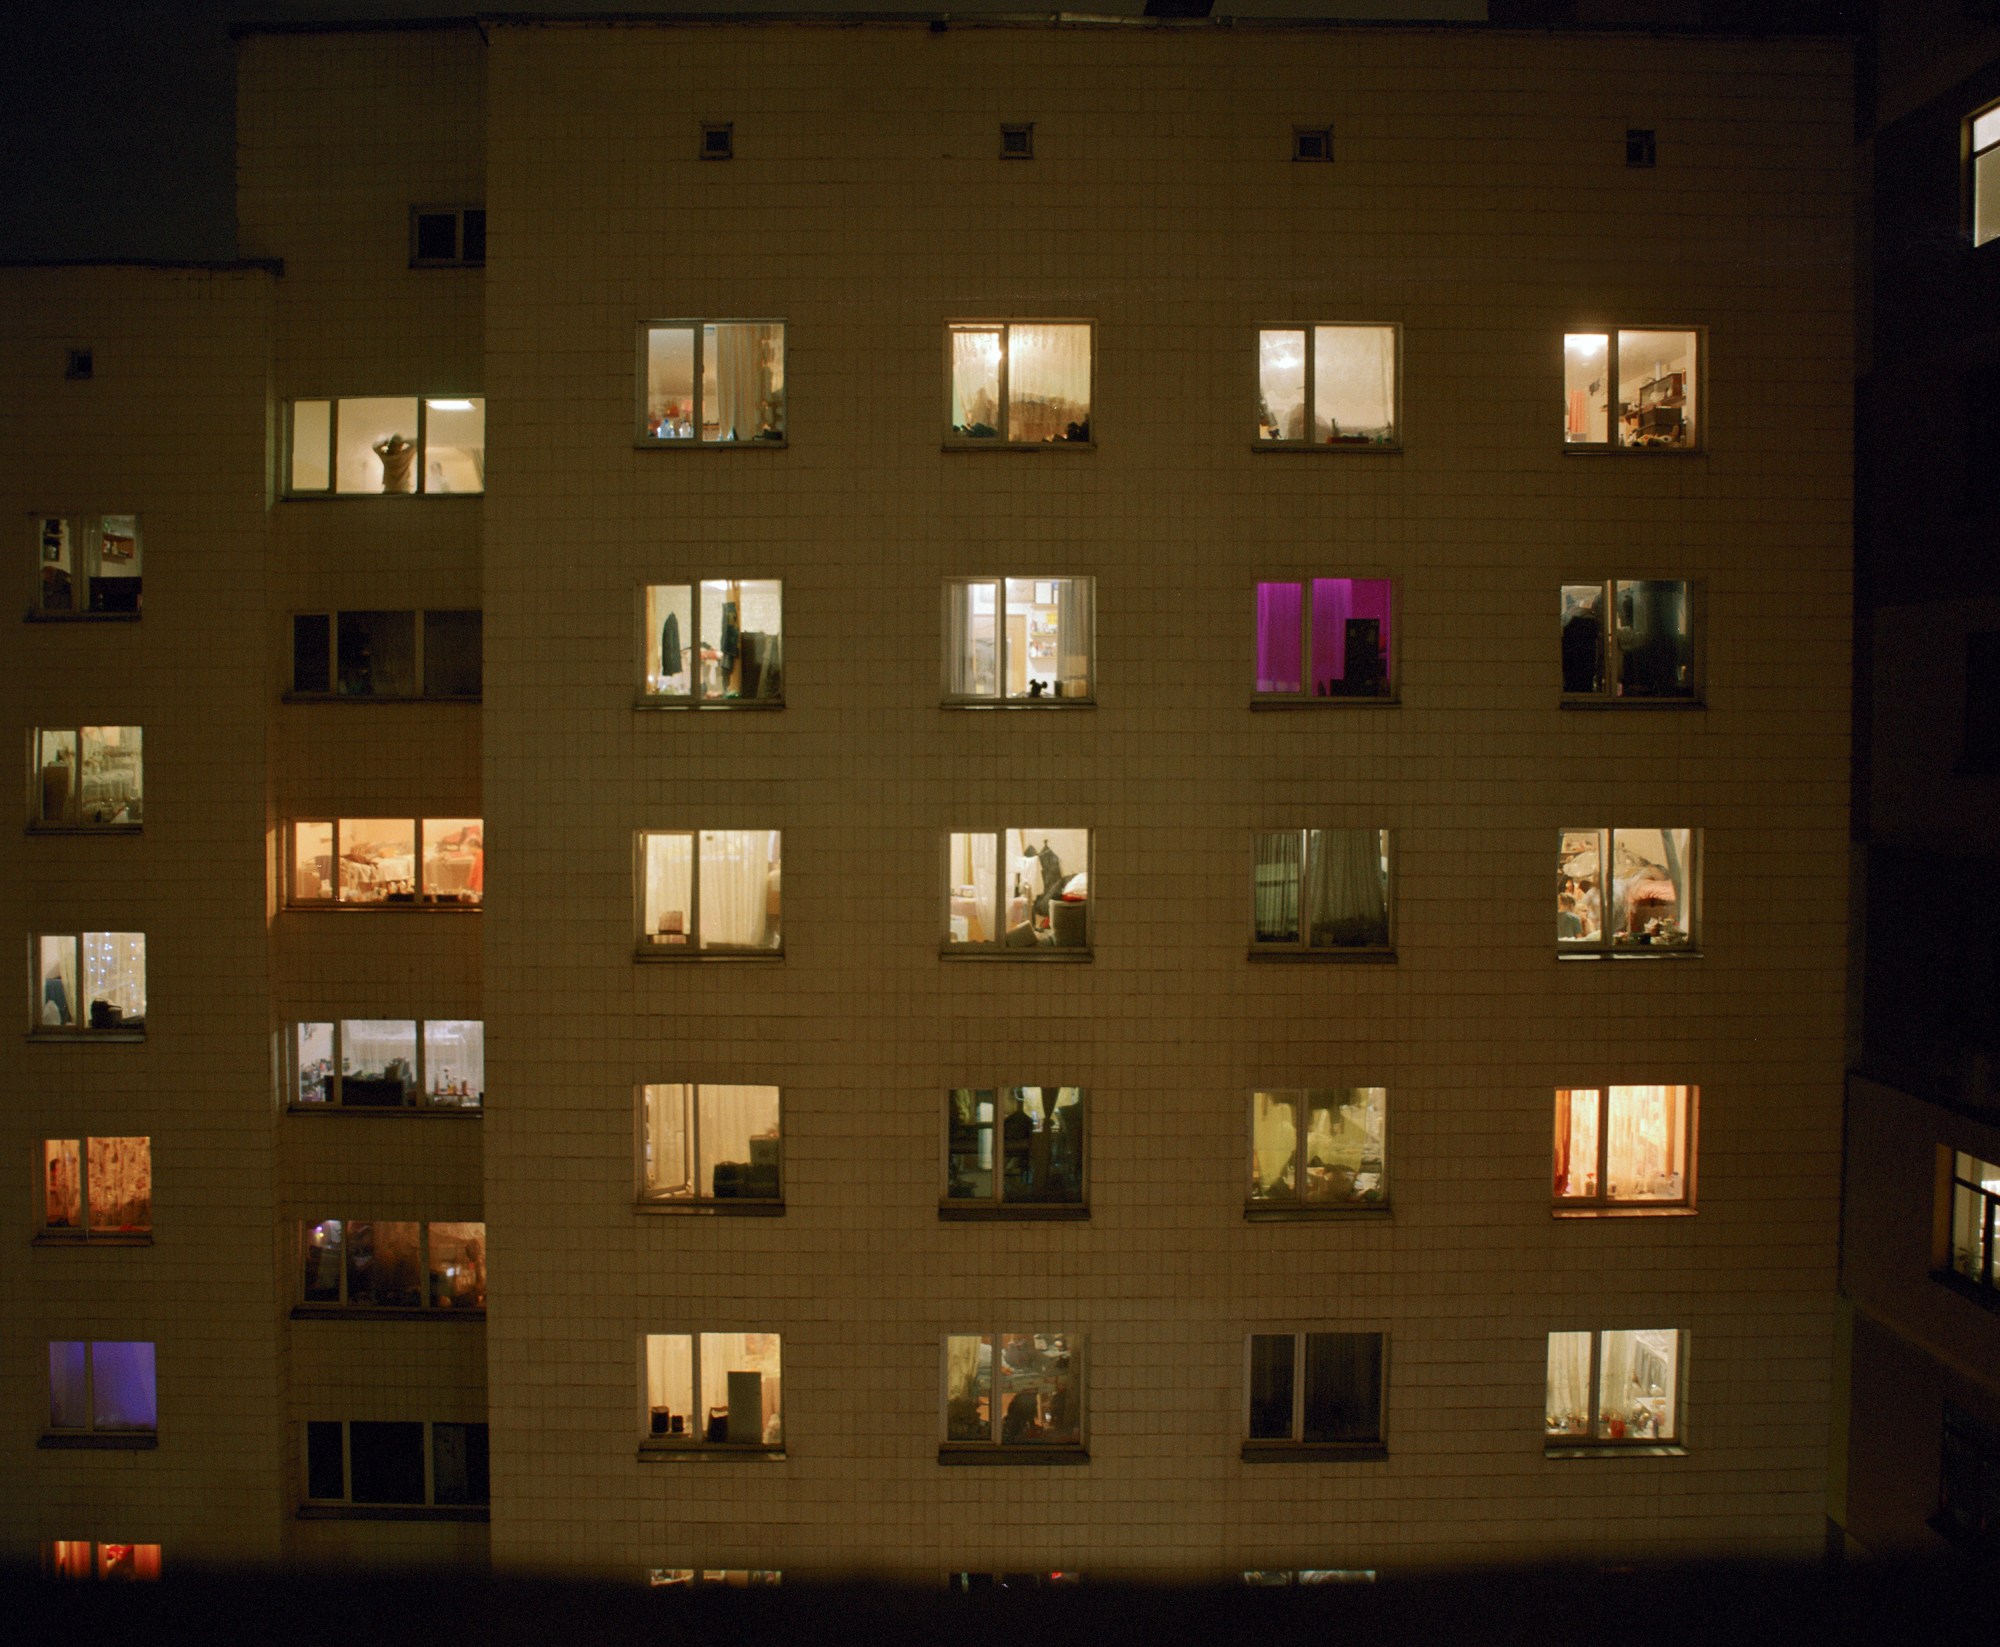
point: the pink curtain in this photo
(1277, 637)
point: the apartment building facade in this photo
(1023, 609)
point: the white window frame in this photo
(430, 1508)
(648, 946)
(78, 825)
(1277, 443)
(1294, 1448)
(697, 699)
(1590, 1443)
(998, 947)
(1982, 153)
(997, 1205)
(85, 1232)
(1606, 943)
(83, 536)
(646, 441)
(1303, 948)
(421, 1102)
(705, 1200)
(1696, 412)
(420, 898)
(1000, 697)
(1275, 1209)
(656, 1445)
(1603, 1203)
(420, 661)
(79, 1027)
(304, 1308)
(420, 472)
(1004, 440)
(993, 1449)
(1607, 629)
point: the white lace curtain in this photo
(737, 868)
(1050, 364)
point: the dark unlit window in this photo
(1314, 1389)
(364, 1463)
(1017, 142)
(1640, 149)
(447, 237)
(1982, 703)
(718, 141)
(79, 365)
(1312, 143)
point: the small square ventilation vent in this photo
(1017, 142)
(1312, 142)
(718, 140)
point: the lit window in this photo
(365, 1465)
(1318, 1149)
(369, 1264)
(99, 1389)
(728, 1578)
(387, 863)
(1014, 1150)
(1975, 1221)
(972, 1582)
(386, 654)
(709, 892)
(1613, 1389)
(1969, 1482)
(1313, 1390)
(88, 777)
(1327, 386)
(80, 1558)
(1321, 891)
(96, 1189)
(1325, 638)
(711, 1145)
(1624, 1147)
(408, 1064)
(1281, 1576)
(87, 565)
(1983, 135)
(1018, 383)
(447, 237)
(1007, 1390)
(714, 1389)
(1045, 874)
(368, 445)
(1628, 640)
(718, 641)
(1018, 640)
(1650, 380)
(712, 382)
(112, 1000)
(1653, 892)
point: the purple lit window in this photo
(1337, 649)
(102, 1386)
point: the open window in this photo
(96, 1189)
(709, 892)
(87, 565)
(1624, 1149)
(386, 863)
(395, 445)
(86, 777)
(89, 983)
(1014, 1151)
(1318, 1150)
(393, 654)
(1320, 892)
(1629, 640)
(405, 1065)
(1628, 892)
(394, 1267)
(353, 1467)
(1313, 1395)
(1018, 383)
(714, 642)
(1018, 892)
(1325, 640)
(1017, 1393)
(714, 1390)
(1613, 1390)
(101, 1391)
(1631, 390)
(712, 383)
(1975, 1224)
(1018, 640)
(1330, 387)
(712, 1146)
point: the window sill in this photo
(379, 697)
(745, 1208)
(1267, 1214)
(1340, 957)
(683, 954)
(1317, 1452)
(1987, 1298)
(93, 1238)
(86, 829)
(1375, 700)
(1623, 1209)
(434, 1111)
(393, 1512)
(951, 445)
(81, 1037)
(1583, 448)
(1047, 701)
(387, 906)
(1030, 1456)
(33, 615)
(975, 1212)
(1638, 952)
(369, 1312)
(1042, 954)
(646, 443)
(1372, 448)
(653, 700)
(1595, 701)
(1614, 1449)
(709, 1452)
(135, 1441)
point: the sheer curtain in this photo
(1569, 1382)
(1278, 611)
(962, 632)
(975, 381)
(1278, 858)
(739, 381)
(1346, 889)
(1048, 381)
(1073, 633)
(737, 868)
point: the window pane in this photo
(1354, 385)
(116, 587)
(60, 1000)
(454, 445)
(388, 1462)
(670, 382)
(1986, 130)
(1576, 1142)
(739, 888)
(312, 862)
(1271, 1369)
(974, 881)
(1579, 887)
(312, 652)
(975, 382)
(1279, 649)
(1985, 195)
(1652, 625)
(738, 1136)
(128, 1562)
(455, 1063)
(667, 897)
(378, 1062)
(1343, 1390)
(378, 860)
(1586, 388)
(743, 381)
(312, 436)
(1051, 870)
(1650, 904)
(1274, 1145)
(670, 1386)
(315, 1063)
(969, 1144)
(968, 1387)
(1042, 1145)
(740, 1388)
(741, 639)
(1636, 1385)
(69, 1385)
(1075, 633)
(323, 1257)
(1583, 637)
(669, 1140)
(454, 860)
(971, 645)
(1350, 637)
(1972, 1203)
(1646, 1142)
(384, 1270)
(1040, 1389)
(458, 1266)
(67, 1558)
(122, 1392)
(452, 664)
(62, 1199)
(1281, 385)
(375, 445)
(57, 559)
(1656, 388)
(114, 979)
(459, 1469)
(377, 654)
(57, 772)
(121, 1184)
(1568, 1403)
(670, 638)
(1346, 892)
(112, 782)
(1279, 867)
(1344, 1147)
(1048, 383)
(326, 1469)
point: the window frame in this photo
(1004, 441)
(460, 216)
(420, 662)
(320, 1309)
(1305, 697)
(1590, 1444)
(654, 1446)
(335, 1101)
(1297, 1207)
(85, 1232)
(79, 1028)
(1000, 697)
(647, 947)
(645, 441)
(1612, 696)
(1697, 401)
(1604, 1205)
(1294, 1448)
(998, 949)
(419, 900)
(1967, 1186)
(38, 824)
(1303, 948)
(426, 402)
(1306, 443)
(96, 1435)
(59, 1556)
(348, 1508)
(649, 699)
(1606, 947)
(1968, 1463)
(994, 1450)
(83, 537)
(750, 1206)
(1972, 152)
(996, 1207)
